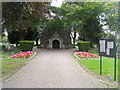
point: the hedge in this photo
(83, 45)
(26, 45)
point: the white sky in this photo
(56, 3)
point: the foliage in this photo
(83, 42)
(30, 34)
(86, 18)
(39, 26)
(14, 37)
(112, 16)
(18, 16)
(26, 45)
(84, 45)
(55, 24)
(3, 47)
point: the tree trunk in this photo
(74, 38)
(17, 44)
(37, 41)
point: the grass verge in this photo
(10, 65)
(108, 66)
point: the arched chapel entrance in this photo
(56, 44)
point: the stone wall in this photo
(63, 37)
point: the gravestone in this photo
(11, 47)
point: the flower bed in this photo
(85, 55)
(22, 55)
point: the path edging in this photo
(8, 76)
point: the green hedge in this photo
(26, 45)
(83, 45)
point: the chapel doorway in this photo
(56, 44)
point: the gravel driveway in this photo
(53, 69)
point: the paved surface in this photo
(53, 69)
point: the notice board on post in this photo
(107, 47)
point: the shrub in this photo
(83, 45)
(3, 47)
(14, 37)
(26, 45)
(73, 46)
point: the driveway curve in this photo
(53, 69)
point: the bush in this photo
(14, 37)
(73, 46)
(83, 45)
(3, 48)
(26, 45)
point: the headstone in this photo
(11, 47)
(109, 77)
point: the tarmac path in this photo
(53, 69)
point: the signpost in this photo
(107, 48)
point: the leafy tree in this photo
(31, 34)
(0, 19)
(55, 24)
(18, 16)
(112, 17)
(85, 18)
(75, 17)
(39, 26)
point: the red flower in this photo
(86, 55)
(23, 54)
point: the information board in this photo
(107, 47)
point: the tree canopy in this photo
(18, 16)
(21, 15)
(87, 18)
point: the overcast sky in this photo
(56, 3)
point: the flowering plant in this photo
(22, 54)
(85, 55)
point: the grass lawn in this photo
(9, 65)
(94, 65)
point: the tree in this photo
(55, 24)
(76, 15)
(18, 16)
(0, 19)
(112, 17)
(85, 18)
(67, 19)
